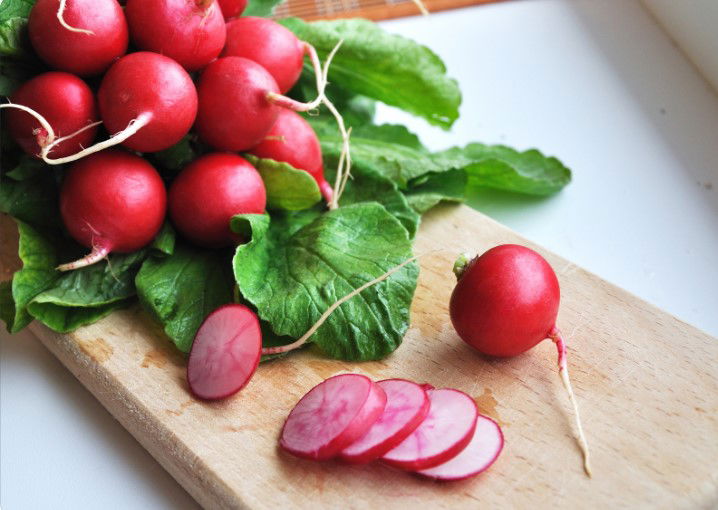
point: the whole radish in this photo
(505, 302)
(209, 191)
(232, 8)
(292, 140)
(269, 44)
(78, 36)
(65, 102)
(112, 201)
(192, 32)
(234, 113)
(151, 94)
(225, 352)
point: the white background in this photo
(596, 83)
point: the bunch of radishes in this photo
(113, 200)
(437, 433)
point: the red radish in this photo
(225, 352)
(407, 405)
(78, 36)
(269, 44)
(209, 191)
(112, 201)
(292, 140)
(148, 101)
(505, 302)
(65, 102)
(483, 449)
(232, 8)
(192, 32)
(445, 431)
(234, 112)
(333, 415)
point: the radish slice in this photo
(225, 352)
(333, 415)
(407, 405)
(481, 452)
(445, 431)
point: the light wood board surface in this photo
(646, 382)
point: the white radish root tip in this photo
(99, 252)
(301, 341)
(61, 19)
(555, 336)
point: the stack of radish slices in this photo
(437, 433)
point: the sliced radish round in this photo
(481, 452)
(407, 404)
(225, 352)
(445, 431)
(334, 414)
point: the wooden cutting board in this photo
(647, 384)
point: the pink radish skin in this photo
(225, 352)
(65, 101)
(406, 407)
(445, 431)
(505, 302)
(269, 44)
(99, 37)
(232, 8)
(331, 416)
(234, 112)
(209, 191)
(150, 90)
(192, 32)
(483, 449)
(292, 140)
(112, 201)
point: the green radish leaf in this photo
(385, 67)
(356, 110)
(38, 256)
(287, 187)
(8, 311)
(261, 8)
(504, 168)
(176, 157)
(164, 242)
(181, 289)
(12, 32)
(309, 260)
(27, 168)
(33, 200)
(428, 190)
(65, 319)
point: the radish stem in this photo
(555, 336)
(301, 341)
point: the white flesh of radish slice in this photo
(481, 452)
(225, 352)
(407, 405)
(445, 431)
(333, 415)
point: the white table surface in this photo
(597, 84)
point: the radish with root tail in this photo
(112, 201)
(189, 32)
(504, 303)
(82, 37)
(50, 105)
(209, 191)
(292, 140)
(225, 352)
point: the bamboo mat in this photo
(370, 9)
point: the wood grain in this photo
(647, 384)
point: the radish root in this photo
(301, 341)
(555, 336)
(99, 252)
(422, 8)
(47, 139)
(61, 19)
